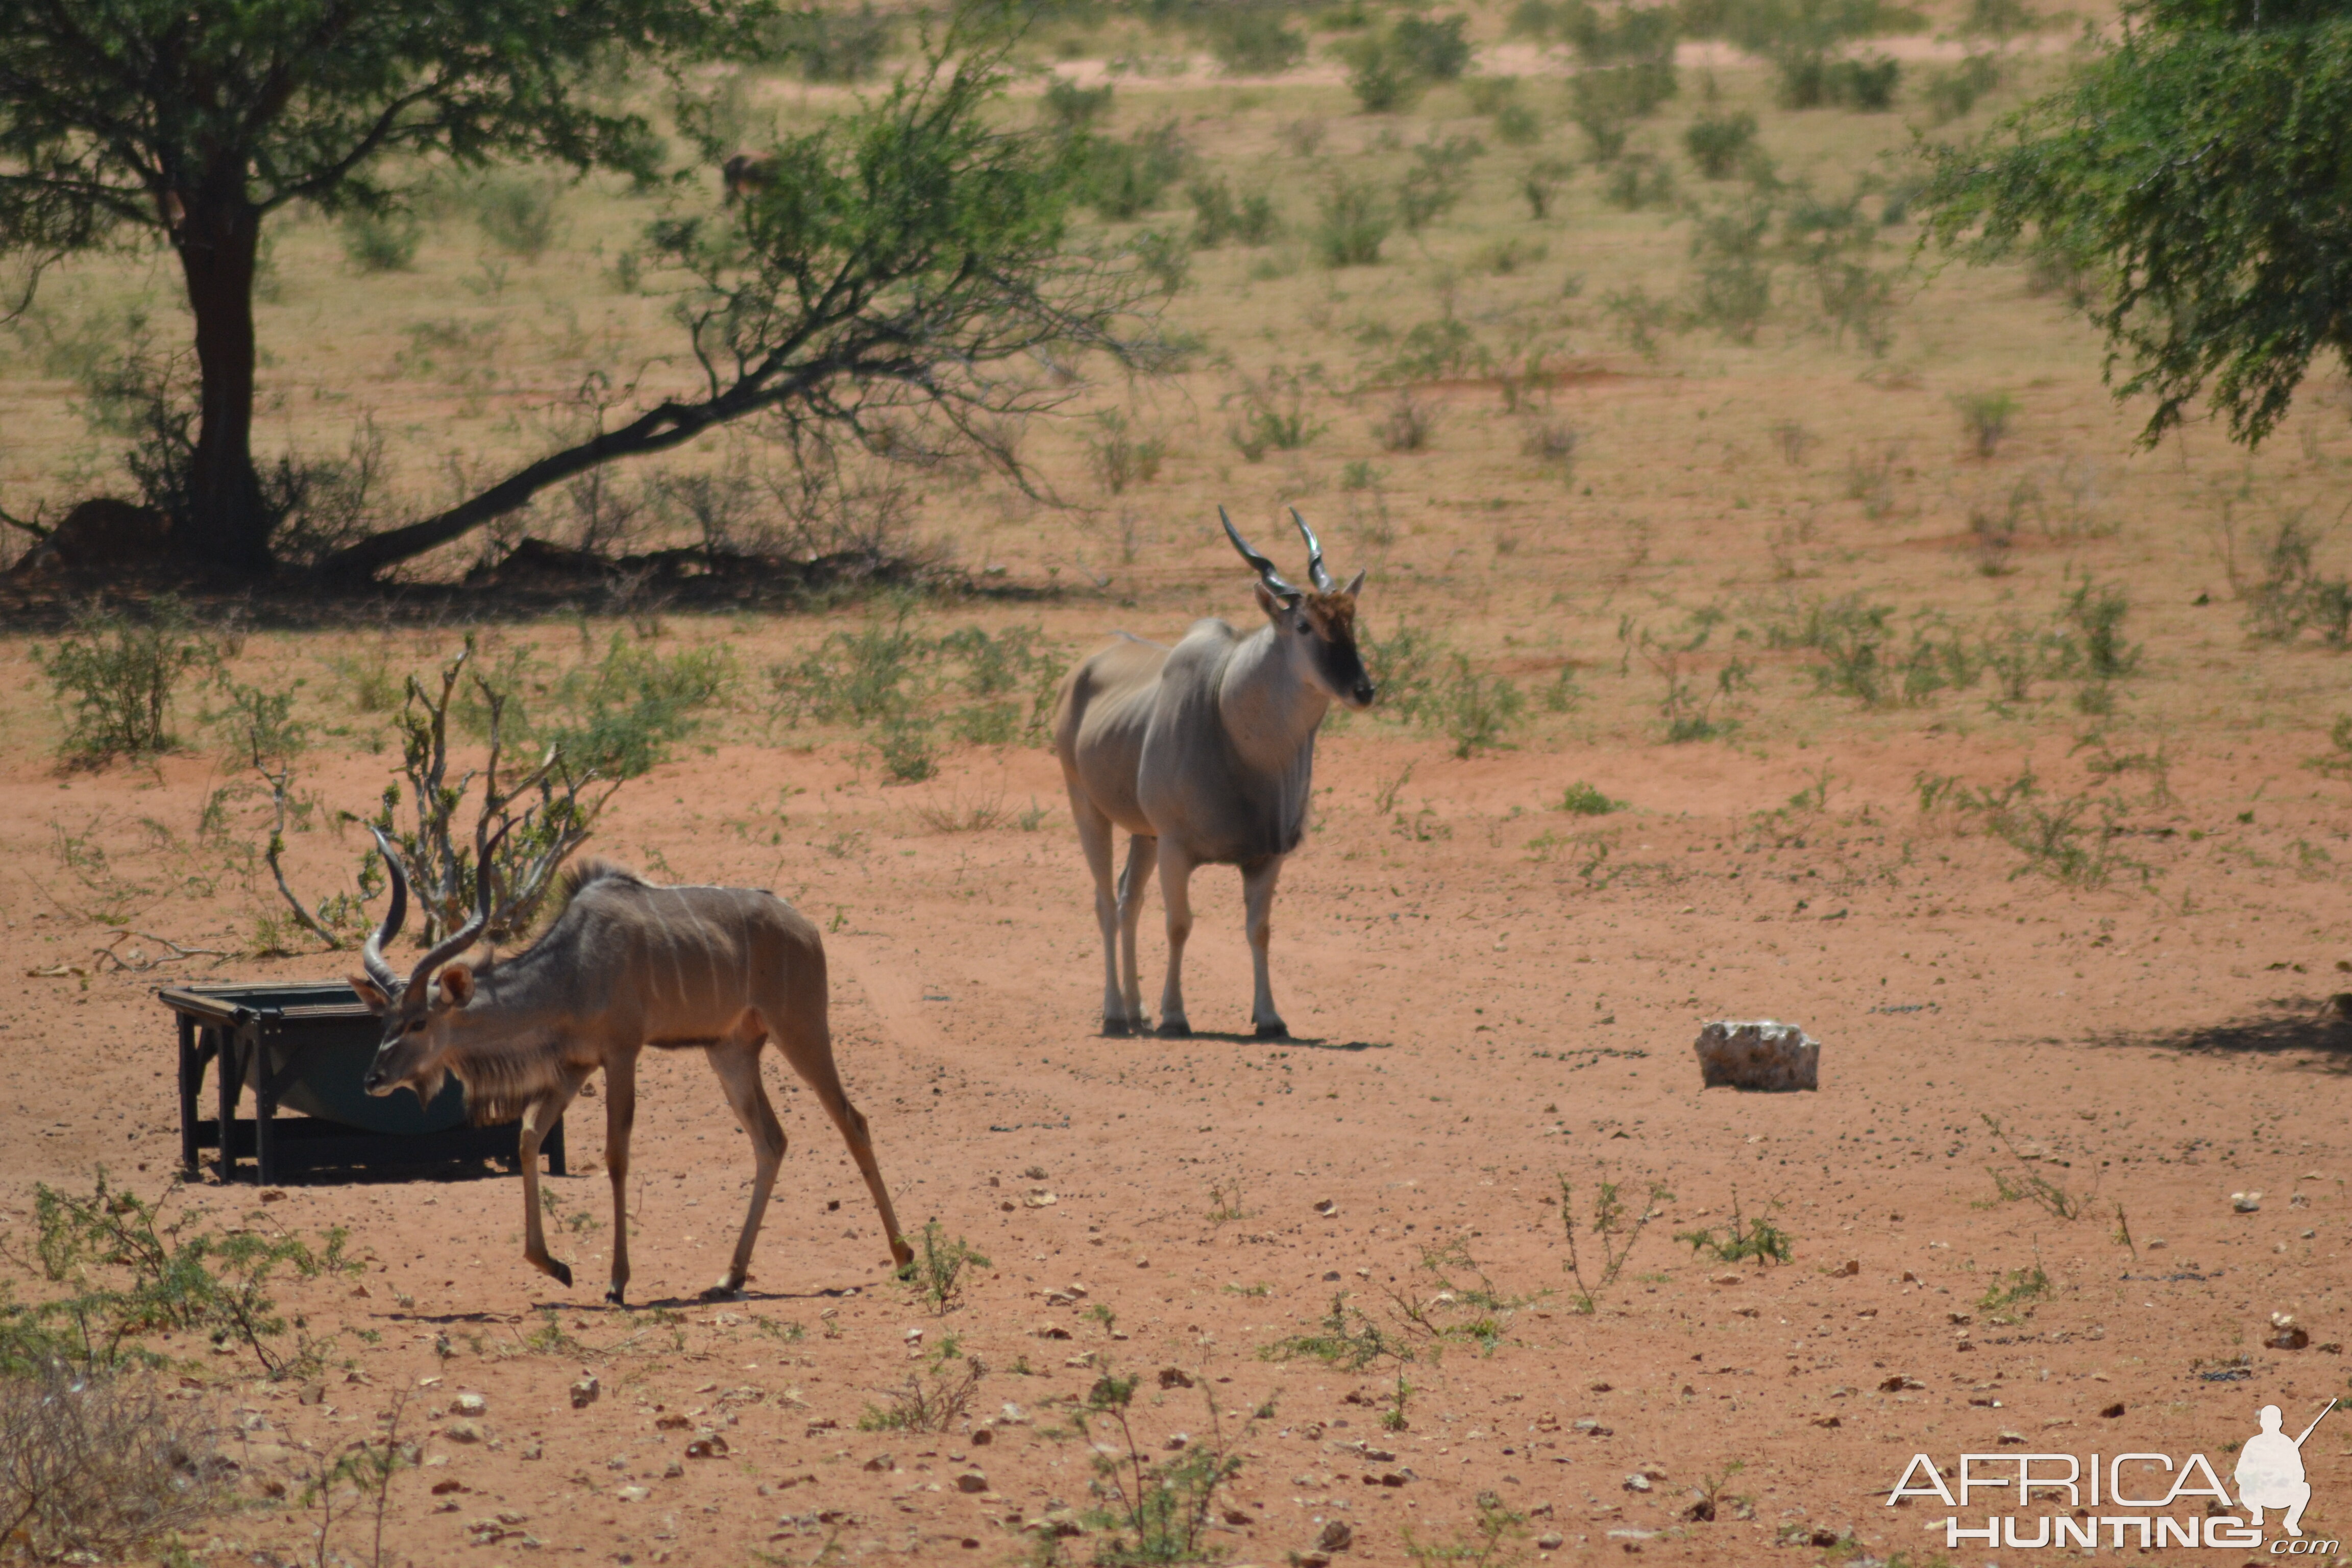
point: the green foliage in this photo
(933, 1403)
(1125, 179)
(1352, 224)
(1984, 419)
(887, 674)
(1611, 1228)
(2191, 171)
(904, 744)
(1743, 1238)
(127, 1272)
(1476, 1314)
(1152, 1511)
(516, 214)
(1218, 216)
(380, 241)
(1251, 42)
(938, 1269)
(827, 45)
(1476, 711)
(1492, 1541)
(1720, 144)
(1395, 1418)
(112, 677)
(2291, 594)
(2057, 837)
(1583, 800)
(627, 711)
(1434, 181)
(1074, 108)
(1639, 180)
(2025, 1180)
(1405, 664)
(2005, 1300)
(1952, 92)
(1274, 414)
(1349, 1341)
(1389, 71)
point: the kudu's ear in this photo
(371, 993)
(457, 984)
(1354, 585)
(1272, 602)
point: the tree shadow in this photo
(2317, 1029)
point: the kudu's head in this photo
(1317, 629)
(416, 1012)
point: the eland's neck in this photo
(1270, 710)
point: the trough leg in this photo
(229, 1075)
(1176, 892)
(1257, 899)
(191, 1073)
(265, 1119)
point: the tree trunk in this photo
(226, 528)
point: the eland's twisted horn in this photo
(1266, 571)
(1314, 554)
(463, 938)
(372, 955)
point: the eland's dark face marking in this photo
(1319, 631)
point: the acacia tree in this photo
(903, 280)
(121, 121)
(2199, 177)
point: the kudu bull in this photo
(624, 966)
(1205, 753)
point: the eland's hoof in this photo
(1175, 1029)
(563, 1272)
(1117, 1028)
(1274, 1031)
(723, 1291)
(613, 1295)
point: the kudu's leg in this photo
(536, 1118)
(620, 1115)
(1094, 837)
(808, 1046)
(736, 1059)
(1257, 899)
(1143, 853)
(1176, 891)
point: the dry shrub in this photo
(98, 1464)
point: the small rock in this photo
(982, 1437)
(1177, 1442)
(2246, 1202)
(2010, 1440)
(1849, 1269)
(1327, 1207)
(1338, 1536)
(443, 1488)
(914, 1336)
(1313, 1560)
(1034, 1173)
(584, 1392)
(2288, 1336)
(972, 1481)
(1762, 1055)
(1637, 1482)
(673, 1422)
(462, 1431)
(1052, 1332)
(2112, 1412)
(472, 1404)
(672, 1470)
(316, 1393)
(714, 1446)
(635, 1494)
(1550, 1541)
(1730, 1278)
(1039, 1198)
(880, 1462)
(1175, 1377)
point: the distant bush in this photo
(1126, 179)
(113, 676)
(1218, 216)
(1353, 223)
(1718, 144)
(1388, 71)
(1436, 180)
(516, 214)
(833, 46)
(381, 242)
(1951, 93)
(1074, 108)
(1252, 42)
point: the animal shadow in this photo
(2321, 1030)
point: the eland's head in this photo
(1316, 628)
(415, 1013)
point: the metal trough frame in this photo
(240, 1029)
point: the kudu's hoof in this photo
(1175, 1029)
(614, 1294)
(1274, 1031)
(561, 1271)
(902, 1256)
(723, 1291)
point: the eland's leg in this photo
(1257, 899)
(808, 1046)
(1143, 853)
(537, 1116)
(736, 1059)
(1176, 892)
(1094, 837)
(620, 1115)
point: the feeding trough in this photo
(303, 1047)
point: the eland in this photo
(1205, 754)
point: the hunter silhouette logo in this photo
(2270, 1471)
(2141, 1498)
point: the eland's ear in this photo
(457, 984)
(1354, 585)
(371, 993)
(1272, 602)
